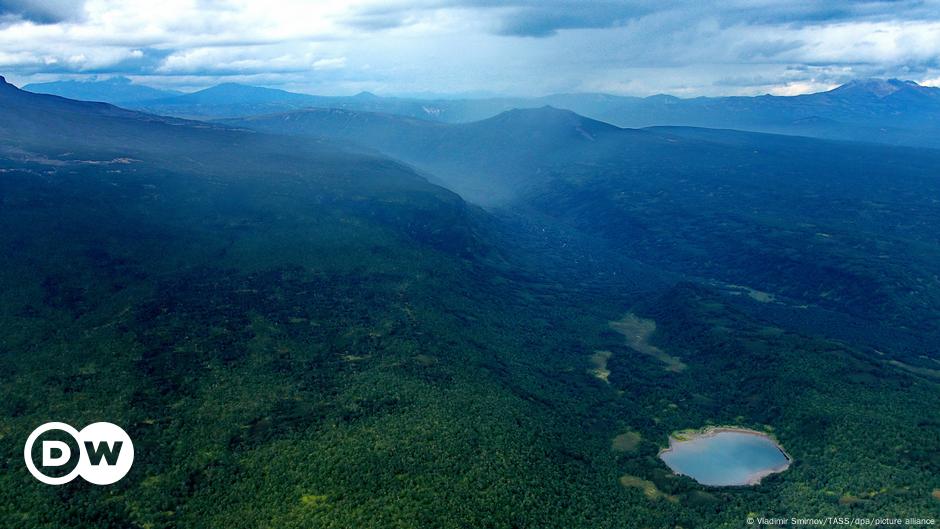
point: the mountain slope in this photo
(836, 226)
(235, 300)
(89, 133)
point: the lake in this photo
(721, 457)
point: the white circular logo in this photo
(105, 453)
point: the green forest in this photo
(299, 335)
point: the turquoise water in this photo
(725, 458)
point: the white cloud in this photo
(333, 63)
(887, 42)
(801, 87)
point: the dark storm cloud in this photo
(769, 49)
(514, 17)
(545, 18)
(42, 11)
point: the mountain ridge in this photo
(889, 111)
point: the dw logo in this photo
(105, 453)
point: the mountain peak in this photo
(246, 90)
(546, 113)
(875, 87)
(233, 87)
(549, 120)
(4, 85)
(226, 86)
(535, 116)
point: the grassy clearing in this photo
(313, 500)
(637, 332)
(648, 487)
(626, 442)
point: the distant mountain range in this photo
(872, 110)
(116, 90)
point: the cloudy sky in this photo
(519, 47)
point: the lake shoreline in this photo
(685, 436)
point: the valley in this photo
(856, 247)
(342, 319)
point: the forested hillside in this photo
(297, 334)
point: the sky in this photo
(475, 47)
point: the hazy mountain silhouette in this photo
(886, 111)
(486, 161)
(117, 90)
(233, 99)
(872, 110)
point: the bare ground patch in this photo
(756, 295)
(923, 371)
(599, 365)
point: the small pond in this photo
(721, 457)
